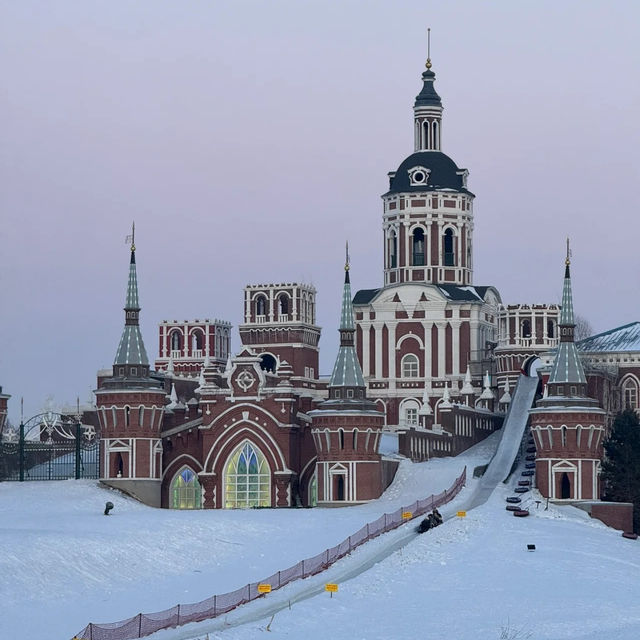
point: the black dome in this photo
(444, 173)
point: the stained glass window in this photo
(186, 492)
(247, 479)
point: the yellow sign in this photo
(331, 586)
(407, 515)
(264, 588)
(461, 514)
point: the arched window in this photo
(114, 416)
(418, 247)
(268, 363)
(393, 250)
(436, 136)
(409, 412)
(449, 255)
(550, 329)
(425, 135)
(261, 306)
(313, 491)
(176, 341)
(186, 492)
(247, 479)
(410, 366)
(526, 328)
(127, 416)
(355, 439)
(284, 305)
(140, 416)
(563, 432)
(197, 341)
(630, 393)
(341, 437)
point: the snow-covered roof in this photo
(625, 338)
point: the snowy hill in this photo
(65, 564)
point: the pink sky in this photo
(248, 140)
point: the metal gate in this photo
(50, 446)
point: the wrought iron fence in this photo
(50, 446)
(144, 624)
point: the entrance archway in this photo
(531, 365)
(565, 486)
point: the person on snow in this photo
(438, 517)
(425, 525)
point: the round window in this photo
(418, 177)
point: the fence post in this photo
(302, 568)
(327, 560)
(178, 615)
(91, 631)
(215, 602)
(78, 458)
(139, 625)
(278, 579)
(368, 531)
(21, 451)
(248, 593)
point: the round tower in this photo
(568, 426)
(347, 426)
(130, 406)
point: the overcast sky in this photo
(248, 140)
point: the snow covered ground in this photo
(64, 564)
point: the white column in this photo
(377, 327)
(392, 355)
(455, 342)
(272, 312)
(441, 348)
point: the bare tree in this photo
(583, 328)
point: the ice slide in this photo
(512, 431)
(375, 551)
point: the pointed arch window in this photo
(449, 252)
(436, 136)
(341, 437)
(284, 305)
(418, 247)
(140, 416)
(630, 393)
(247, 479)
(186, 492)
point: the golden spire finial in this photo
(428, 65)
(568, 259)
(346, 262)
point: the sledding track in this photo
(364, 558)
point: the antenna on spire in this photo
(568, 260)
(346, 262)
(428, 65)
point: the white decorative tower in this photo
(428, 215)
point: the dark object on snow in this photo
(530, 457)
(630, 535)
(521, 513)
(107, 508)
(524, 483)
(424, 526)
(531, 547)
(437, 517)
(528, 472)
(514, 499)
(521, 490)
(531, 449)
(513, 507)
(530, 465)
